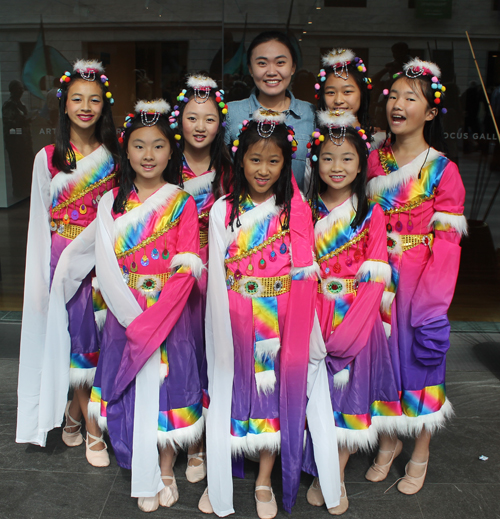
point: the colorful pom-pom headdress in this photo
(202, 86)
(88, 70)
(338, 60)
(264, 117)
(416, 68)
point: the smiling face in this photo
(272, 67)
(342, 94)
(148, 151)
(338, 166)
(407, 108)
(84, 103)
(200, 123)
(262, 165)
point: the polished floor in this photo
(56, 482)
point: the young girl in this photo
(352, 254)
(200, 119)
(147, 259)
(422, 196)
(260, 306)
(59, 339)
(343, 85)
(272, 60)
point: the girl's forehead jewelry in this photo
(150, 111)
(202, 85)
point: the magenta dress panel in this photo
(354, 271)
(423, 203)
(74, 203)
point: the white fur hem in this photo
(163, 372)
(81, 377)
(94, 413)
(387, 329)
(252, 444)
(189, 260)
(390, 425)
(387, 299)
(432, 422)
(265, 381)
(201, 184)
(341, 379)
(375, 269)
(310, 272)
(183, 437)
(100, 318)
(403, 175)
(363, 439)
(457, 222)
(268, 347)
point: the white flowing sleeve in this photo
(36, 300)
(220, 365)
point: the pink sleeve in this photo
(374, 167)
(146, 333)
(437, 284)
(351, 336)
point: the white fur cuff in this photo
(375, 270)
(457, 222)
(189, 260)
(341, 378)
(311, 272)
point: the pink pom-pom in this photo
(368, 145)
(177, 113)
(290, 138)
(322, 73)
(386, 91)
(245, 122)
(316, 86)
(235, 149)
(364, 137)
(434, 79)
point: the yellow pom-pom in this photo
(443, 89)
(224, 111)
(109, 95)
(106, 84)
(438, 94)
(360, 68)
(177, 137)
(321, 138)
(124, 125)
(236, 142)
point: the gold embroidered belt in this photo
(258, 287)
(335, 286)
(147, 282)
(203, 238)
(409, 241)
(67, 230)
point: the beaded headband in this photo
(338, 60)
(202, 86)
(270, 118)
(150, 111)
(87, 69)
(416, 68)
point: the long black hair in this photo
(282, 188)
(220, 160)
(363, 114)
(433, 129)
(64, 158)
(171, 174)
(358, 186)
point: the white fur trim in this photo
(375, 269)
(337, 57)
(342, 213)
(100, 317)
(102, 422)
(265, 381)
(363, 439)
(421, 64)
(264, 441)
(397, 249)
(94, 410)
(311, 272)
(86, 65)
(260, 287)
(387, 329)
(457, 222)
(390, 425)
(265, 116)
(141, 213)
(190, 260)
(268, 347)
(163, 372)
(81, 377)
(341, 379)
(183, 437)
(201, 184)
(328, 295)
(63, 181)
(197, 82)
(403, 175)
(258, 214)
(387, 299)
(432, 422)
(329, 119)
(159, 106)
(239, 446)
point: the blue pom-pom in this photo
(176, 107)
(111, 101)
(294, 156)
(222, 91)
(323, 78)
(184, 90)
(314, 158)
(186, 100)
(308, 155)
(434, 86)
(224, 124)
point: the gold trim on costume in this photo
(134, 280)
(412, 204)
(70, 231)
(344, 247)
(409, 241)
(259, 287)
(263, 245)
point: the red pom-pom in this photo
(369, 87)
(120, 140)
(437, 100)
(68, 79)
(309, 146)
(316, 96)
(316, 142)
(218, 99)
